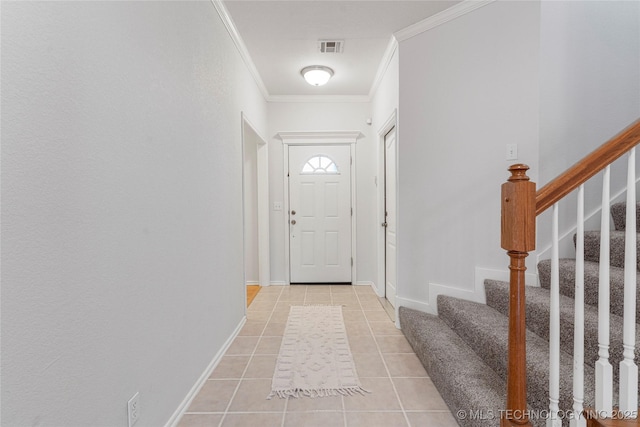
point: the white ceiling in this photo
(282, 38)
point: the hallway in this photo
(402, 394)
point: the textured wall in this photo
(121, 206)
(467, 88)
(589, 91)
(589, 76)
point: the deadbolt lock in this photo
(293, 212)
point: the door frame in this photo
(318, 138)
(389, 124)
(262, 173)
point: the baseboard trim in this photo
(436, 289)
(251, 283)
(477, 294)
(179, 412)
(530, 279)
(415, 305)
(278, 283)
(363, 283)
(373, 286)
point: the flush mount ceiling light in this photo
(317, 75)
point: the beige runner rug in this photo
(315, 359)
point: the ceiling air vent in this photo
(330, 46)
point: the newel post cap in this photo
(518, 172)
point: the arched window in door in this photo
(320, 165)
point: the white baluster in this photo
(554, 327)
(604, 370)
(577, 418)
(628, 369)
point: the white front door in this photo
(390, 215)
(320, 214)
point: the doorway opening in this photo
(255, 197)
(387, 212)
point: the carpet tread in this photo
(591, 283)
(537, 309)
(617, 244)
(460, 375)
(478, 324)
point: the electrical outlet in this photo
(134, 409)
(277, 206)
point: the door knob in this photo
(293, 212)
(293, 222)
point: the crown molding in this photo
(318, 98)
(242, 48)
(443, 17)
(319, 137)
(384, 65)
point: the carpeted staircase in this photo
(464, 348)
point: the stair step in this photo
(486, 331)
(592, 247)
(591, 272)
(619, 215)
(537, 309)
(464, 381)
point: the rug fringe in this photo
(313, 393)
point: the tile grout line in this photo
(286, 402)
(253, 354)
(344, 412)
(286, 411)
(384, 362)
(235, 392)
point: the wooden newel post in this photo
(518, 239)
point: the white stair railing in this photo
(577, 417)
(628, 379)
(518, 238)
(604, 370)
(628, 369)
(554, 326)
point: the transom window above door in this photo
(320, 165)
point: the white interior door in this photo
(390, 215)
(320, 214)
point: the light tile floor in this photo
(402, 393)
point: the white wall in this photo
(327, 116)
(589, 91)
(121, 215)
(589, 78)
(467, 88)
